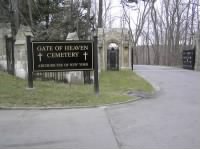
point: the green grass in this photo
(114, 86)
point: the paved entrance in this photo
(56, 129)
(170, 120)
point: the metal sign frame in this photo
(60, 55)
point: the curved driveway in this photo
(170, 120)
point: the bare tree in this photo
(136, 29)
(154, 18)
(167, 27)
(187, 24)
(106, 11)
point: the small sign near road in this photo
(61, 56)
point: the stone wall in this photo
(20, 52)
(197, 56)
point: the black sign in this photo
(189, 59)
(60, 56)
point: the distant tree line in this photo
(164, 25)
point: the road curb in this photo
(70, 107)
(155, 86)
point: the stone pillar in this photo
(74, 77)
(20, 53)
(197, 56)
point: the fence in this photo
(56, 76)
(60, 76)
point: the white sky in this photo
(116, 11)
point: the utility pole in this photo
(30, 12)
(88, 18)
(95, 38)
(86, 74)
(96, 73)
(100, 23)
(30, 63)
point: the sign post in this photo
(96, 73)
(30, 60)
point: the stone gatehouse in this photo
(114, 57)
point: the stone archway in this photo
(113, 57)
(122, 58)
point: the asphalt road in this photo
(56, 129)
(169, 120)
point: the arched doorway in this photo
(113, 57)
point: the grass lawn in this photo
(113, 88)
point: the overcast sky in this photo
(116, 11)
